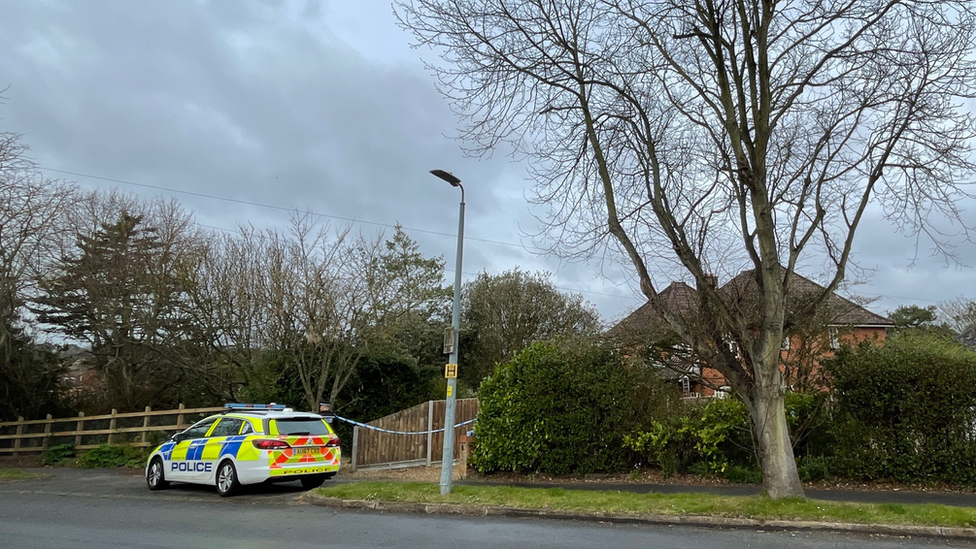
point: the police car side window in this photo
(227, 427)
(247, 429)
(198, 430)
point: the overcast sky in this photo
(309, 105)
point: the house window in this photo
(730, 344)
(834, 338)
(685, 385)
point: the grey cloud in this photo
(308, 105)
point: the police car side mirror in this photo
(178, 437)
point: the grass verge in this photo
(17, 474)
(626, 503)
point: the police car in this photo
(248, 444)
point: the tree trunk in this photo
(776, 459)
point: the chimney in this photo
(711, 280)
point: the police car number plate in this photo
(307, 450)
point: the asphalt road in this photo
(111, 509)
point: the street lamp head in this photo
(447, 176)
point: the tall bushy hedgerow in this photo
(905, 411)
(562, 410)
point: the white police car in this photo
(248, 444)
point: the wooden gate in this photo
(373, 449)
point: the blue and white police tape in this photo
(380, 429)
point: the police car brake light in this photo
(270, 444)
(333, 442)
(251, 406)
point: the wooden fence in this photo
(141, 429)
(373, 449)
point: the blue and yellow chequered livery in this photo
(248, 444)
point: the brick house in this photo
(838, 321)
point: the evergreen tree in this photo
(122, 295)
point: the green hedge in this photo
(563, 410)
(905, 411)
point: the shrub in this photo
(812, 468)
(705, 437)
(113, 455)
(905, 410)
(743, 474)
(58, 455)
(563, 410)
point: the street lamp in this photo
(450, 372)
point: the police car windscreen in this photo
(304, 426)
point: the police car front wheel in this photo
(227, 483)
(155, 477)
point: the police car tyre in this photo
(313, 481)
(155, 477)
(227, 483)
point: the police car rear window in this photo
(303, 426)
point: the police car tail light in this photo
(333, 442)
(270, 444)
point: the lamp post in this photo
(450, 372)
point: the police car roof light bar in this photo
(251, 406)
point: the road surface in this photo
(110, 509)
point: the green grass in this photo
(586, 501)
(17, 474)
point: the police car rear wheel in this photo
(313, 481)
(227, 483)
(154, 476)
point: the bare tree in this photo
(300, 297)
(709, 137)
(303, 306)
(229, 306)
(317, 285)
(31, 222)
(958, 313)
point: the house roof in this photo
(841, 311)
(678, 297)
(682, 300)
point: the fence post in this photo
(111, 425)
(20, 432)
(179, 418)
(47, 432)
(145, 424)
(355, 446)
(79, 426)
(430, 427)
